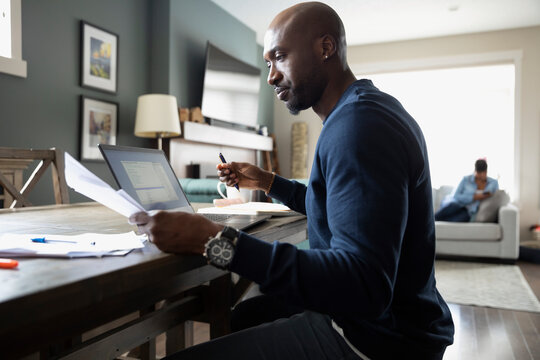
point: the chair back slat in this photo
(50, 157)
(32, 154)
(12, 190)
(61, 194)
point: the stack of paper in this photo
(251, 208)
(85, 182)
(83, 245)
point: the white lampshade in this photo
(157, 116)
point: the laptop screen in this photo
(147, 176)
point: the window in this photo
(465, 113)
(11, 61)
(5, 28)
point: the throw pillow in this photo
(488, 210)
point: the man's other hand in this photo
(175, 231)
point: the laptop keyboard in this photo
(218, 217)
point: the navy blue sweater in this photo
(371, 233)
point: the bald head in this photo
(310, 21)
(305, 50)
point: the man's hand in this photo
(176, 232)
(247, 176)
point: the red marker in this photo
(8, 263)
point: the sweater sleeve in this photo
(366, 168)
(492, 185)
(462, 194)
(289, 192)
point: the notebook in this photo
(147, 176)
(251, 208)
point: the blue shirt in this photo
(467, 188)
(371, 233)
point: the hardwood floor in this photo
(486, 333)
(482, 333)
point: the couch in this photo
(200, 190)
(498, 239)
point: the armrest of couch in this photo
(509, 222)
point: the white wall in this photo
(526, 40)
(182, 153)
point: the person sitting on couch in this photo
(471, 190)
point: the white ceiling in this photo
(373, 21)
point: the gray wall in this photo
(161, 49)
(43, 110)
(193, 23)
(179, 50)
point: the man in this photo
(463, 205)
(366, 288)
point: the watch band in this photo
(230, 233)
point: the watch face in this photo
(220, 252)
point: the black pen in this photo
(224, 162)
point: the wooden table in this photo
(47, 305)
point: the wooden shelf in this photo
(208, 134)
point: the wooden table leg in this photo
(148, 349)
(179, 337)
(217, 312)
(218, 305)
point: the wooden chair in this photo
(19, 159)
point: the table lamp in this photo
(157, 117)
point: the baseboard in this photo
(489, 260)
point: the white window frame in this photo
(504, 57)
(15, 65)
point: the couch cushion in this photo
(439, 195)
(467, 231)
(488, 210)
(200, 190)
(200, 186)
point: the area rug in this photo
(490, 285)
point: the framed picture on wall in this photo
(99, 125)
(99, 58)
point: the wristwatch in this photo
(219, 250)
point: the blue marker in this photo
(42, 240)
(224, 162)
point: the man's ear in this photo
(328, 46)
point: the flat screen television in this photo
(231, 88)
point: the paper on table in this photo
(83, 245)
(251, 208)
(85, 182)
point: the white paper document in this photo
(251, 208)
(85, 182)
(70, 246)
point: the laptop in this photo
(147, 176)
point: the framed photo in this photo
(99, 58)
(99, 125)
